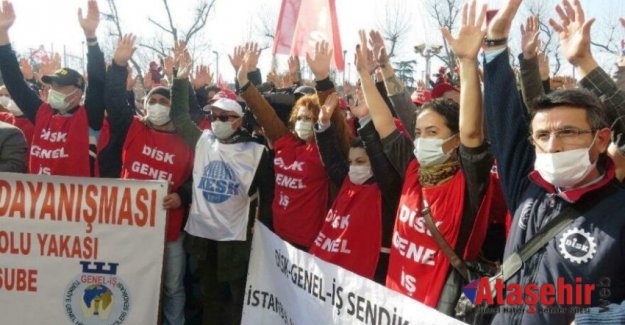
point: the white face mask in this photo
(303, 129)
(429, 151)
(222, 130)
(564, 169)
(359, 174)
(4, 101)
(12, 107)
(158, 114)
(56, 100)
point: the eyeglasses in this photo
(568, 135)
(222, 117)
(304, 118)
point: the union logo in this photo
(218, 182)
(97, 296)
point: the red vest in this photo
(417, 267)
(151, 154)
(301, 190)
(351, 234)
(21, 122)
(60, 143)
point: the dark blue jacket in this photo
(591, 248)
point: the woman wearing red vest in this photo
(356, 233)
(152, 150)
(302, 185)
(449, 173)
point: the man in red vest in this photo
(66, 131)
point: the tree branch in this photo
(200, 19)
(605, 47)
(159, 25)
(159, 51)
(173, 31)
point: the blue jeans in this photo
(173, 288)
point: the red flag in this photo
(303, 23)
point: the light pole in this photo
(344, 61)
(216, 66)
(427, 51)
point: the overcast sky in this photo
(54, 23)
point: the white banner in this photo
(288, 286)
(77, 250)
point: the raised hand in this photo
(622, 22)
(499, 27)
(574, 32)
(242, 72)
(7, 16)
(203, 77)
(359, 109)
(362, 54)
(125, 49)
(347, 88)
(90, 23)
(287, 81)
(379, 50)
(253, 53)
(469, 40)
(27, 69)
(530, 38)
(294, 69)
(320, 65)
(236, 59)
(273, 77)
(327, 109)
(182, 60)
(168, 66)
(49, 67)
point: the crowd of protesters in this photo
(418, 191)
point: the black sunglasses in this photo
(222, 117)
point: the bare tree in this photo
(265, 24)
(172, 33)
(445, 13)
(395, 25)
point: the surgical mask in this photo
(12, 107)
(56, 100)
(359, 174)
(158, 114)
(4, 101)
(429, 151)
(222, 130)
(564, 169)
(303, 129)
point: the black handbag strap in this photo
(454, 259)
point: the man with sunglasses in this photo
(565, 158)
(232, 186)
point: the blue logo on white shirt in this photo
(218, 182)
